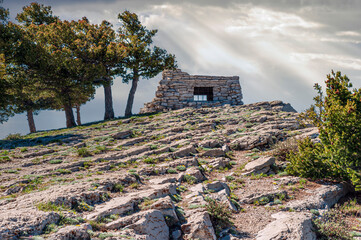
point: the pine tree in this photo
(142, 59)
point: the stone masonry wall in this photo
(176, 91)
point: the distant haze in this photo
(278, 48)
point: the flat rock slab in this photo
(148, 225)
(72, 232)
(295, 226)
(260, 165)
(198, 226)
(322, 198)
(14, 223)
(125, 204)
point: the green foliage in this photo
(190, 179)
(118, 187)
(332, 226)
(50, 207)
(55, 161)
(83, 152)
(142, 60)
(14, 136)
(181, 168)
(337, 116)
(220, 214)
(282, 149)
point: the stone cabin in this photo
(178, 90)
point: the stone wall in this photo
(176, 91)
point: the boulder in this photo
(198, 226)
(322, 198)
(122, 134)
(72, 233)
(15, 223)
(295, 226)
(217, 152)
(260, 165)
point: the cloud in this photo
(278, 48)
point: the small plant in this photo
(190, 179)
(282, 149)
(83, 152)
(134, 185)
(49, 207)
(220, 214)
(149, 160)
(100, 149)
(55, 161)
(63, 171)
(118, 187)
(84, 207)
(4, 159)
(24, 149)
(230, 178)
(51, 228)
(172, 171)
(332, 226)
(14, 136)
(181, 168)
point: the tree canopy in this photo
(142, 59)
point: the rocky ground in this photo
(187, 174)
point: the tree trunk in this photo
(70, 122)
(128, 109)
(109, 112)
(31, 122)
(78, 120)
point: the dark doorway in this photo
(203, 94)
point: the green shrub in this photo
(55, 161)
(190, 179)
(337, 116)
(332, 225)
(181, 168)
(220, 214)
(172, 171)
(83, 152)
(282, 149)
(118, 187)
(4, 159)
(15, 136)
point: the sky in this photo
(278, 48)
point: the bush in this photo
(282, 149)
(15, 136)
(332, 226)
(220, 214)
(83, 152)
(337, 116)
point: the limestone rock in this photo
(198, 226)
(72, 233)
(152, 226)
(260, 165)
(14, 223)
(217, 152)
(322, 198)
(122, 135)
(295, 226)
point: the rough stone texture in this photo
(122, 205)
(198, 226)
(72, 233)
(147, 225)
(260, 165)
(176, 91)
(26, 221)
(295, 226)
(322, 198)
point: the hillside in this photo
(155, 177)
